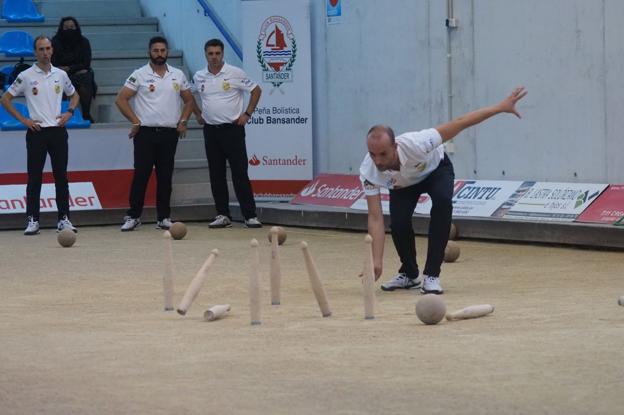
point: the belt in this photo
(158, 129)
(227, 125)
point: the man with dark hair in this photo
(409, 165)
(72, 53)
(43, 86)
(222, 88)
(158, 91)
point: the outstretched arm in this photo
(377, 230)
(508, 105)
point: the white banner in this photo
(276, 50)
(82, 197)
(481, 198)
(92, 149)
(555, 201)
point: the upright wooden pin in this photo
(368, 280)
(254, 283)
(197, 283)
(276, 268)
(168, 290)
(315, 281)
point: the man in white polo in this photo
(409, 165)
(222, 88)
(43, 86)
(158, 92)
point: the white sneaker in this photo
(253, 223)
(64, 223)
(164, 224)
(432, 285)
(130, 224)
(401, 281)
(221, 221)
(33, 226)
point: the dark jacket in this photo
(76, 55)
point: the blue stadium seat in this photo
(8, 123)
(16, 43)
(20, 11)
(76, 120)
(6, 70)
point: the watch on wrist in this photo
(71, 110)
(247, 114)
(183, 122)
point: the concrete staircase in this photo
(119, 36)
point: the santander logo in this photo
(331, 190)
(308, 190)
(254, 161)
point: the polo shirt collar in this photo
(402, 156)
(154, 72)
(40, 71)
(222, 71)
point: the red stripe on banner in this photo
(111, 186)
(277, 188)
(607, 208)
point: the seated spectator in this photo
(72, 53)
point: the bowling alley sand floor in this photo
(82, 330)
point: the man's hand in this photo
(134, 130)
(509, 104)
(200, 119)
(62, 120)
(181, 129)
(32, 125)
(378, 271)
(242, 120)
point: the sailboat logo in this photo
(276, 51)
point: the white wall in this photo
(387, 62)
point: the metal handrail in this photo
(229, 37)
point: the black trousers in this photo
(39, 144)
(439, 186)
(85, 85)
(226, 143)
(153, 147)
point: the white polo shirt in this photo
(157, 102)
(420, 153)
(43, 92)
(222, 94)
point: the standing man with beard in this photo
(72, 53)
(158, 91)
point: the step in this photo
(89, 8)
(87, 26)
(132, 63)
(190, 176)
(121, 40)
(191, 147)
(113, 58)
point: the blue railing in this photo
(229, 37)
